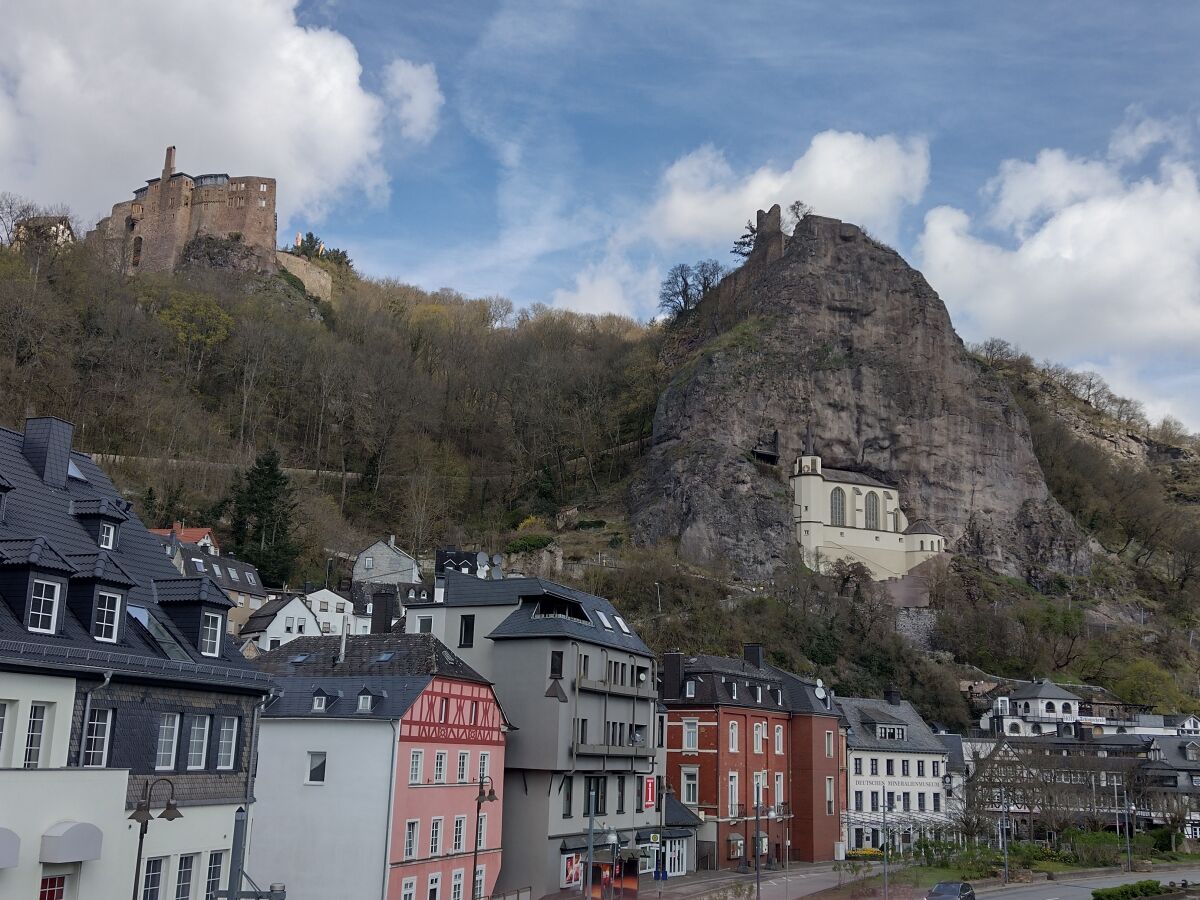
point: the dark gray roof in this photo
(954, 752)
(101, 507)
(101, 566)
(860, 711)
(524, 593)
(714, 678)
(922, 527)
(676, 815)
(1042, 690)
(1174, 750)
(218, 568)
(846, 476)
(263, 616)
(801, 695)
(392, 695)
(40, 527)
(367, 655)
(191, 590)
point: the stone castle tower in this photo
(150, 231)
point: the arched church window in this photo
(1066, 708)
(1014, 728)
(922, 545)
(837, 507)
(1049, 707)
(873, 511)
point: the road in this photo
(1082, 889)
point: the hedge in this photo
(1147, 888)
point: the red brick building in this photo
(741, 733)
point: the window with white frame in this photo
(689, 689)
(233, 573)
(369, 563)
(108, 536)
(317, 760)
(456, 884)
(829, 745)
(732, 789)
(408, 890)
(733, 737)
(480, 881)
(43, 607)
(51, 887)
(318, 703)
(250, 578)
(691, 786)
(779, 739)
(227, 742)
(829, 796)
(691, 734)
(485, 764)
(412, 833)
(435, 836)
(3, 717)
(439, 767)
(416, 762)
(481, 832)
(778, 787)
(152, 878)
(35, 734)
(198, 743)
(434, 886)
(168, 739)
(212, 883)
(108, 613)
(96, 738)
(185, 874)
(364, 702)
(759, 728)
(460, 832)
(464, 764)
(210, 635)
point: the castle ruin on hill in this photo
(149, 232)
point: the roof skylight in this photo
(621, 624)
(604, 620)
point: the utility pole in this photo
(587, 876)
(1128, 830)
(1004, 833)
(1117, 806)
(757, 859)
(887, 843)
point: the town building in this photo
(844, 515)
(385, 563)
(120, 692)
(1043, 707)
(743, 734)
(380, 745)
(149, 232)
(897, 774)
(201, 535)
(36, 233)
(277, 622)
(238, 579)
(337, 612)
(581, 686)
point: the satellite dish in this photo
(820, 683)
(496, 574)
(820, 692)
(497, 559)
(481, 559)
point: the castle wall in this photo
(316, 280)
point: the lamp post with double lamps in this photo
(480, 799)
(142, 815)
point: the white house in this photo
(897, 773)
(278, 622)
(335, 612)
(839, 514)
(1045, 708)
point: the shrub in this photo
(589, 524)
(529, 523)
(1147, 888)
(528, 543)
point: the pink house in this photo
(386, 751)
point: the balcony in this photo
(643, 691)
(622, 750)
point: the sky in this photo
(1037, 161)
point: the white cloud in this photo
(613, 285)
(1091, 264)
(854, 177)
(416, 97)
(90, 94)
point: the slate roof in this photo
(956, 761)
(392, 695)
(191, 590)
(1042, 690)
(467, 590)
(102, 507)
(265, 614)
(858, 712)
(714, 677)
(845, 476)
(218, 568)
(676, 815)
(800, 695)
(366, 655)
(39, 522)
(101, 566)
(1174, 751)
(922, 527)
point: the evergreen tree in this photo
(261, 507)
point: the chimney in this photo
(753, 654)
(47, 446)
(892, 695)
(169, 164)
(391, 540)
(341, 658)
(672, 675)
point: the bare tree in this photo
(679, 292)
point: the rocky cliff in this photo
(833, 329)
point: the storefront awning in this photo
(643, 835)
(69, 842)
(10, 848)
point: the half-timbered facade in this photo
(380, 744)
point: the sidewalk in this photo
(703, 884)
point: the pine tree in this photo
(261, 507)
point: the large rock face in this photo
(836, 330)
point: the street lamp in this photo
(613, 840)
(661, 862)
(480, 799)
(758, 787)
(142, 815)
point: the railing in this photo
(107, 658)
(737, 810)
(611, 749)
(525, 893)
(644, 691)
(783, 809)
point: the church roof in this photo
(845, 476)
(922, 527)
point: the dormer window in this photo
(108, 614)
(210, 634)
(43, 607)
(318, 703)
(1192, 751)
(689, 689)
(365, 702)
(733, 689)
(757, 694)
(108, 536)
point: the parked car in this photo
(951, 890)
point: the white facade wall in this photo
(886, 551)
(899, 819)
(325, 605)
(18, 693)
(277, 629)
(344, 822)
